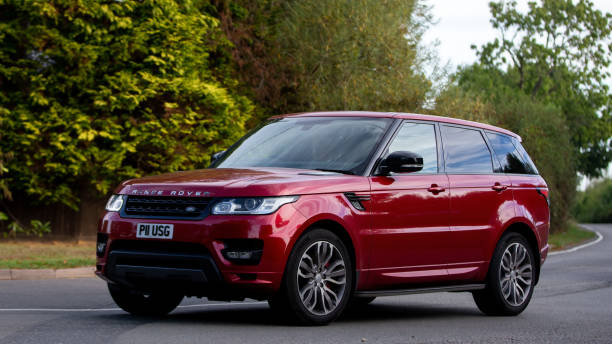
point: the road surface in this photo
(572, 304)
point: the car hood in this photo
(247, 182)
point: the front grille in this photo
(167, 247)
(169, 254)
(148, 265)
(166, 207)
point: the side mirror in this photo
(401, 162)
(216, 156)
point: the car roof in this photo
(401, 115)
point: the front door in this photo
(410, 215)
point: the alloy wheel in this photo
(516, 274)
(321, 278)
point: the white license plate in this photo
(154, 230)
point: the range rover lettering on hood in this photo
(171, 193)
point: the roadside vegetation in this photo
(595, 203)
(93, 93)
(61, 255)
(46, 255)
(572, 236)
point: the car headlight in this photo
(251, 205)
(115, 202)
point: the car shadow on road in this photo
(260, 314)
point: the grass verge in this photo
(61, 255)
(46, 255)
(573, 236)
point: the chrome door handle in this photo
(435, 189)
(498, 187)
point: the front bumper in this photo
(193, 260)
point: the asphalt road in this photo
(572, 304)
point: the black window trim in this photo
(394, 131)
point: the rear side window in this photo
(418, 138)
(509, 157)
(466, 151)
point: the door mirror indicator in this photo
(401, 162)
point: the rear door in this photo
(529, 189)
(480, 200)
(410, 214)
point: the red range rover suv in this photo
(315, 211)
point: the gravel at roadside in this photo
(38, 274)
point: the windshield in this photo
(342, 144)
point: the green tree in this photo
(332, 54)
(559, 52)
(595, 203)
(354, 54)
(92, 93)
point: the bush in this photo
(595, 204)
(92, 93)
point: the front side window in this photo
(507, 154)
(465, 151)
(342, 144)
(419, 138)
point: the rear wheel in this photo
(510, 279)
(318, 279)
(154, 304)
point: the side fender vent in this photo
(357, 200)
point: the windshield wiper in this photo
(337, 171)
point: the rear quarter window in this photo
(511, 160)
(531, 168)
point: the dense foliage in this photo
(330, 55)
(595, 203)
(354, 54)
(544, 78)
(92, 93)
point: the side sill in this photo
(394, 292)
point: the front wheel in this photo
(510, 280)
(136, 303)
(318, 281)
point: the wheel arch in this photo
(528, 233)
(341, 232)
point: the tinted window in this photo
(507, 155)
(466, 151)
(418, 138)
(332, 143)
(529, 165)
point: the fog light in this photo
(239, 254)
(243, 251)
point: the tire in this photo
(137, 303)
(362, 301)
(279, 305)
(316, 305)
(500, 297)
